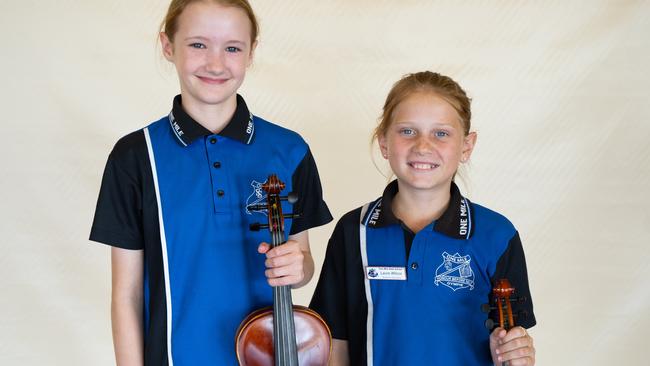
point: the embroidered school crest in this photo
(455, 272)
(256, 198)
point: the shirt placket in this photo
(214, 147)
(415, 264)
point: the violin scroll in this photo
(273, 186)
(501, 306)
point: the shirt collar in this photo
(240, 128)
(455, 222)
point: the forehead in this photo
(212, 20)
(426, 106)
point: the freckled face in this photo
(425, 143)
(211, 51)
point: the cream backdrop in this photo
(561, 107)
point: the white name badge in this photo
(386, 273)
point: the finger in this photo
(284, 271)
(284, 281)
(523, 351)
(497, 334)
(284, 276)
(263, 248)
(285, 260)
(519, 361)
(520, 347)
(516, 332)
(289, 247)
(514, 344)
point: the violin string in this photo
(280, 330)
(277, 335)
(277, 328)
(284, 326)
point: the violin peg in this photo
(517, 299)
(486, 308)
(292, 198)
(257, 226)
(522, 314)
(489, 324)
(521, 299)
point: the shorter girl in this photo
(405, 275)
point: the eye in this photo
(406, 131)
(198, 45)
(233, 49)
(441, 133)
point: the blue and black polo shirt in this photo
(404, 298)
(185, 196)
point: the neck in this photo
(213, 117)
(418, 208)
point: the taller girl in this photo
(178, 196)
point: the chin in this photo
(423, 184)
(214, 99)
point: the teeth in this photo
(423, 166)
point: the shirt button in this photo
(220, 193)
(217, 164)
(414, 265)
(213, 140)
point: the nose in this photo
(214, 62)
(423, 145)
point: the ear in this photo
(167, 47)
(251, 54)
(468, 146)
(383, 146)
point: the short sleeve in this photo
(512, 265)
(340, 296)
(330, 297)
(310, 205)
(118, 215)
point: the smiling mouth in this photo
(423, 166)
(212, 80)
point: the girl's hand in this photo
(514, 347)
(285, 264)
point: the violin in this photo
(501, 293)
(502, 297)
(284, 334)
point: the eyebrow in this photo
(408, 122)
(201, 38)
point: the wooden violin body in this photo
(282, 335)
(256, 332)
